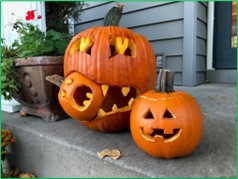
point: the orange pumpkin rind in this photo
(91, 96)
(166, 123)
(118, 63)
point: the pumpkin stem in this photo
(55, 79)
(113, 16)
(165, 81)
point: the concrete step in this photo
(68, 149)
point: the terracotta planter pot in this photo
(38, 96)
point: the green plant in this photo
(9, 84)
(32, 42)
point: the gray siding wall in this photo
(201, 41)
(163, 25)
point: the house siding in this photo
(201, 42)
(163, 25)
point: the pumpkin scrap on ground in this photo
(114, 154)
(165, 123)
(106, 68)
(26, 175)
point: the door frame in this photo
(225, 55)
(213, 75)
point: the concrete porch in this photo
(67, 149)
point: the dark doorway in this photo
(225, 37)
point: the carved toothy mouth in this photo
(160, 133)
(116, 99)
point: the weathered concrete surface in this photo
(67, 149)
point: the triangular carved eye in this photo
(148, 114)
(168, 115)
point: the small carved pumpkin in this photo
(165, 123)
(118, 63)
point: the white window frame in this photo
(19, 10)
(210, 35)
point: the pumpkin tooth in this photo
(104, 89)
(101, 112)
(69, 81)
(131, 101)
(86, 102)
(63, 93)
(114, 107)
(125, 90)
(146, 136)
(148, 131)
(89, 95)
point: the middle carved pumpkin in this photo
(106, 68)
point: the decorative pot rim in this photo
(39, 60)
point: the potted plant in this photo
(27, 62)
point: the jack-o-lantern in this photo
(106, 68)
(165, 123)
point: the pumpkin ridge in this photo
(184, 97)
(96, 59)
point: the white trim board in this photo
(210, 34)
(10, 105)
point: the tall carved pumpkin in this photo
(165, 123)
(106, 68)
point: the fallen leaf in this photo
(206, 114)
(22, 114)
(26, 175)
(114, 154)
